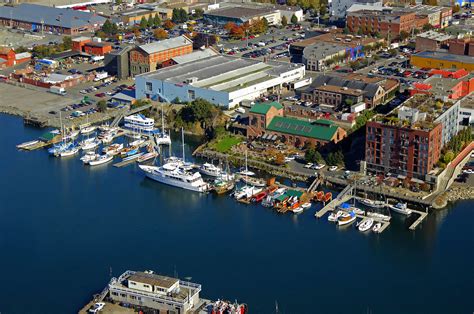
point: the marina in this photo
(127, 201)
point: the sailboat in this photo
(163, 138)
(246, 171)
(68, 147)
(88, 129)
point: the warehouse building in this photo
(48, 19)
(442, 60)
(222, 80)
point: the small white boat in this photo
(89, 143)
(346, 218)
(68, 152)
(377, 227)
(298, 210)
(132, 157)
(113, 149)
(254, 181)
(334, 216)
(137, 142)
(163, 139)
(88, 157)
(108, 138)
(101, 159)
(246, 173)
(210, 170)
(88, 129)
(400, 208)
(306, 205)
(366, 224)
(27, 144)
(378, 216)
(371, 203)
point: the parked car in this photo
(333, 168)
(308, 165)
(318, 166)
(97, 307)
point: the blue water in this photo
(64, 228)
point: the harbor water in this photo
(66, 228)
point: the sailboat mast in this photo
(182, 140)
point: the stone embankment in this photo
(460, 192)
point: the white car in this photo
(318, 166)
(97, 307)
(240, 110)
(308, 165)
(333, 168)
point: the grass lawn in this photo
(224, 144)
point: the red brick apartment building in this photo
(384, 22)
(149, 57)
(92, 47)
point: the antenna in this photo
(182, 140)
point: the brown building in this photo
(408, 142)
(92, 47)
(386, 22)
(462, 46)
(266, 121)
(432, 40)
(9, 58)
(149, 57)
(342, 92)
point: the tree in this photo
(67, 43)
(404, 35)
(201, 39)
(179, 15)
(279, 159)
(143, 23)
(156, 20)
(456, 8)
(150, 21)
(198, 13)
(160, 33)
(228, 26)
(294, 19)
(284, 21)
(168, 24)
(427, 27)
(107, 27)
(102, 105)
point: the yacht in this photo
(246, 192)
(88, 157)
(210, 170)
(70, 151)
(400, 208)
(89, 143)
(101, 159)
(113, 149)
(366, 225)
(334, 216)
(172, 174)
(378, 216)
(88, 129)
(254, 181)
(139, 123)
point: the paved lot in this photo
(15, 38)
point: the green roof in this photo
(294, 193)
(319, 129)
(48, 136)
(262, 108)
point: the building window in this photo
(191, 94)
(149, 86)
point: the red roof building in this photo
(9, 58)
(89, 46)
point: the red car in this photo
(406, 73)
(244, 38)
(100, 95)
(251, 37)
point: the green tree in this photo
(143, 23)
(156, 21)
(150, 21)
(107, 26)
(404, 35)
(284, 21)
(294, 19)
(427, 27)
(67, 43)
(198, 13)
(102, 105)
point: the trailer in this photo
(58, 90)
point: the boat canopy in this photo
(345, 206)
(294, 193)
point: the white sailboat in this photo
(163, 138)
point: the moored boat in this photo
(306, 205)
(68, 152)
(400, 208)
(113, 149)
(101, 159)
(89, 143)
(253, 181)
(372, 203)
(210, 170)
(378, 216)
(377, 227)
(346, 218)
(88, 157)
(334, 216)
(259, 197)
(147, 156)
(88, 129)
(298, 210)
(366, 224)
(27, 144)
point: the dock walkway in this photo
(420, 219)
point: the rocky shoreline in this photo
(460, 192)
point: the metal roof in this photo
(287, 125)
(262, 108)
(36, 14)
(166, 44)
(445, 56)
(193, 56)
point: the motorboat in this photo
(377, 227)
(88, 129)
(89, 143)
(246, 192)
(222, 186)
(137, 142)
(88, 157)
(133, 157)
(334, 216)
(107, 138)
(101, 159)
(147, 156)
(372, 203)
(298, 210)
(346, 218)
(259, 197)
(378, 216)
(128, 151)
(27, 144)
(366, 224)
(210, 170)
(68, 152)
(400, 208)
(306, 205)
(113, 149)
(254, 181)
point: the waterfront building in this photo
(39, 18)
(267, 122)
(339, 92)
(222, 80)
(442, 60)
(149, 57)
(147, 289)
(408, 141)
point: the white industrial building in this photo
(339, 8)
(222, 80)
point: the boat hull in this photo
(173, 182)
(398, 210)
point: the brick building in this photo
(446, 85)
(266, 121)
(432, 40)
(156, 55)
(91, 46)
(409, 141)
(387, 22)
(462, 46)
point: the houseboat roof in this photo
(153, 279)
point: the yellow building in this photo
(442, 60)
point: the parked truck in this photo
(57, 90)
(100, 76)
